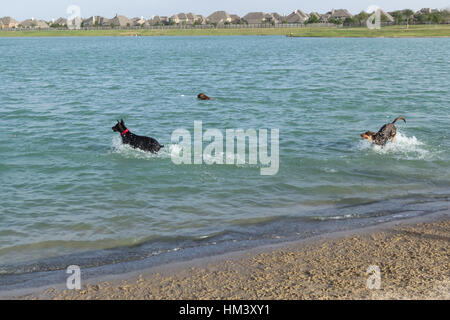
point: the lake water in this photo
(71, 193)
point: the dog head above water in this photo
(203, 96)
(368, 135)
(119, 127)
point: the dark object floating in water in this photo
(203, 96)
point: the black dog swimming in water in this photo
(139, 142)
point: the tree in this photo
(445, 14)
(408, 14)
(423, 18)
(436, 17)
(398, 16)
(349, 21)
(384, 18)
(361, 17)
(335, 20)
(312, 19)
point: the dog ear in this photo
(121, 121)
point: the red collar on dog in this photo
(122, 133)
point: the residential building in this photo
(159, 21)
(8, 23)
(219, 17)
(62, 22)
(121, 21)
(298, 16)
(254, 17)
(235, 19)
(340, 14)
(93, 21)
(275, 17)
(34, 24)
(324, 17)
(105, 22)
(138, 22)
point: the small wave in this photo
(128, 152)
(403, 147)
(341, 217)
(239, 161)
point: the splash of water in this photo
(129, 152)
(403, 147)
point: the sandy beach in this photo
(413, 260)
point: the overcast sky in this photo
(48, 9)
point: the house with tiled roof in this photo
(254, 17)
(92, 21)
(324, 17)
(121, 21)
(139, 22)
(219, 17)
(340, 14)
(8, 23)
(235, 18)
(60, 22)
(159, 21)
(274, 18)
(173, 19)
(34, 24)
(298, 16)
(105, 22)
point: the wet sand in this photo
(413, 260)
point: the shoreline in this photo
(122, 261)
(414, 31)
(320, 267)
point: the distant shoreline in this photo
(414, 31)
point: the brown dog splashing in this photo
(386, 133)
(203, 96)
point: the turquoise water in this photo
(72, 194)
